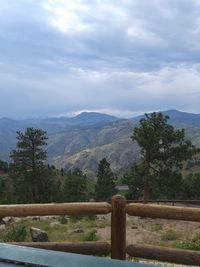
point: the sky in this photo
(120, 57)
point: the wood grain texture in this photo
(83, 208)
(118, 228)
(164, 212)
(178, 256)
(86, 248)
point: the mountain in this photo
(83, 140)
(54, 125)
(91, 118)
(120, 153)
(83, 148)
(113, 142)
(182, 118)
(178, 118)
(8, 127)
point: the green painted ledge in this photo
(49, 258)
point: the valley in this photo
(81, 142)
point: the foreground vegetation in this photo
(58, 228)
(160, 232)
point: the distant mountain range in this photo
(83, 140)
(8, 127)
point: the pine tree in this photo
(75, 187)
(3, 166)
(31, 177)
(163, 152)
(105, 187)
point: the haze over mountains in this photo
(83, 140)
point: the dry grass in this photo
(144, 231)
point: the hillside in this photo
(85, 139)
(8, 127)
(83, 148)
(119, 153)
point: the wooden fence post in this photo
(118, 228)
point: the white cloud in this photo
(65, 15)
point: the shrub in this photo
(76, 218)
(16, 233)
(90, 236)
(170, 235)
(91, 217)
(63, 219)
(156, 227)
(134, 225)
(193, 244)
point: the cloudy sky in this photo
(122, 57)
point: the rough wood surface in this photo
(163, 211)
(82, 208)
(178, 256)
(118, 228)
(86, 248)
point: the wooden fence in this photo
(118, 209)
(193, 202)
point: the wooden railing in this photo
(178, 256)
(118, 209)
(88, 208)
(193, 202)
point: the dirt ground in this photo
(151, 231)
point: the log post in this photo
(118, 228)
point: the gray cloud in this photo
(119, 56)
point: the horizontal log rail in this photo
(83, 208)
(163, 212)
(86, 248)
(171, 201)
(179, 256)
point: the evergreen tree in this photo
(163, 152)
(6, 188)
(75, 187)
(134, 179)
(3, 166)
(105, 187)
(191, 186)
(31, 178)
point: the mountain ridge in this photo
(81, 141)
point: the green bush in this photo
(134, 225)
(63, 219)
(156, 227)
(170, 235)
(193, 244)
(16, 233)
(75, 219)
(90, 217)
(90, 236)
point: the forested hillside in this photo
(80, 142)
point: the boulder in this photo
(52, 224)
(7, 220)
(2, 221)
(38, 235)
(47, 218)
(78, 230)
(2, 227)
(35, 218)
